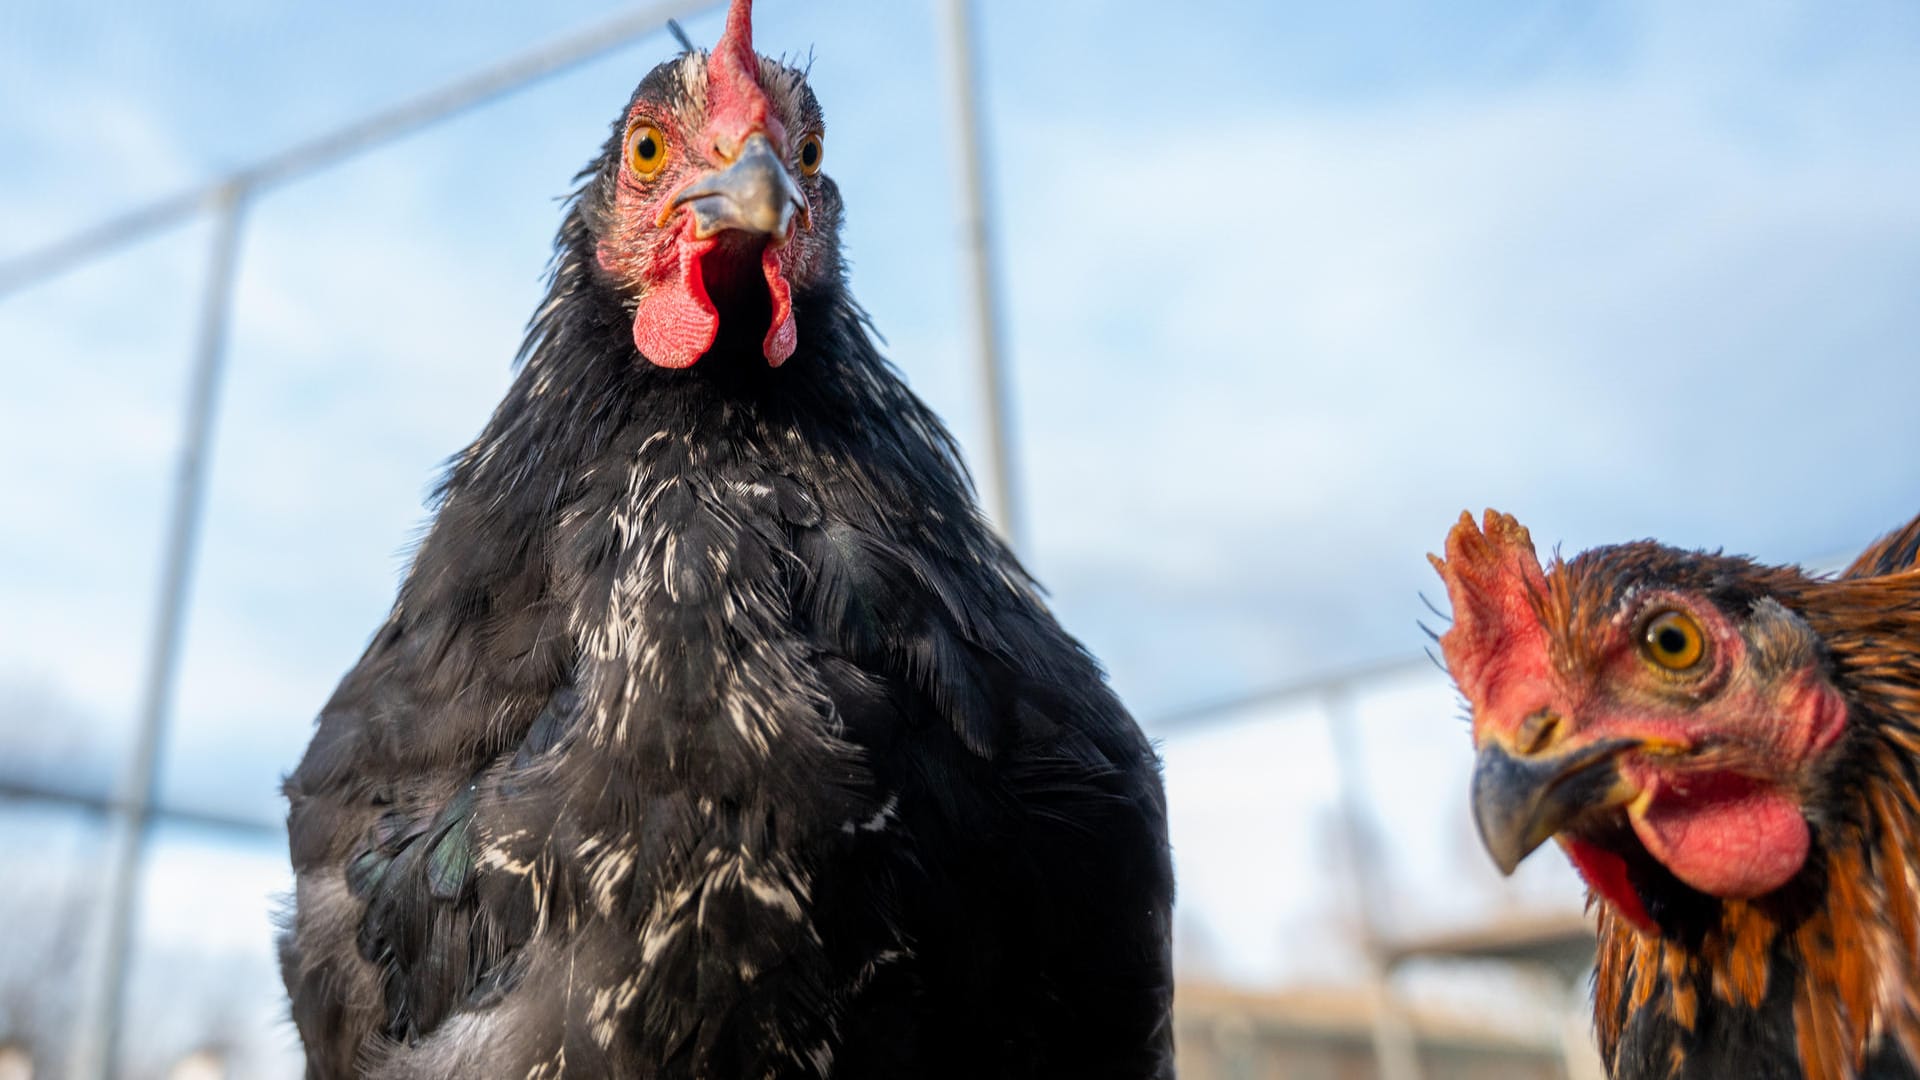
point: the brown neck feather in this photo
(1850, 945)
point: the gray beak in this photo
(1521, 802)
(754, 194)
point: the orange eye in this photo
(1674, 641)
(646, 150)
(810, 154)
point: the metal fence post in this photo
(1395, 1051)
(97, 1052)
(976, 224)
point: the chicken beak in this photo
(1519, 802)
(754, 194)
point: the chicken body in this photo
(712, 733)
(1730, 755)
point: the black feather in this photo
(680, 36)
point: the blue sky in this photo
(1287, 285)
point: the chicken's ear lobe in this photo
(1497, 589)
(737, 105)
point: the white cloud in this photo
(1260, 382)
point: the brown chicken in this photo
(1727, 753)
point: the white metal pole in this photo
(98, 1035)
(977, 247)
(1394, 1049)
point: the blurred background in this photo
(1278, 289)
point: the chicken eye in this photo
(810, 154)
(1674, 641)
(646, 150)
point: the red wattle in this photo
(1728, 836)
(782, 336)
(675, 322)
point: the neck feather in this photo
(1835, 957)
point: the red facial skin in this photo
(685, 285)
(1733, 739)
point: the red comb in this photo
(1497, 587)
(736, 104)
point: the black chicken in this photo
(712, 733)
